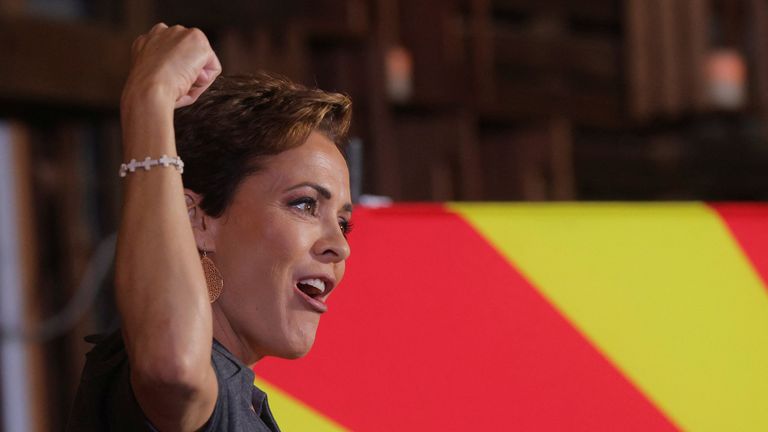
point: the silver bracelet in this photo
(149, 163)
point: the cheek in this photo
(288, 239)
(270, 246)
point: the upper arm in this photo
(175, 399)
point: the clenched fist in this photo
(175, 64)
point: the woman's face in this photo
(281, 247)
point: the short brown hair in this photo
(240, 120)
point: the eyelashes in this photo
(346, 226)
(309, 206)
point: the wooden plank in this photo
(698, 45)
(434, 70)
(501, 163)
(598, 57)
(668, 45)
(11, 7)
(442, 162)
(759, 22)
(244, 14)
(532, 145)
(336, 19)
(594, 56)
(246, 51)
(253, 50)
(470, 173)
(524, 101)
(382, 150)
(603, 10)
(483, 51)
(59, 62)
(139, 16)
(563, 182)
(638, 58)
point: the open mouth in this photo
(314, 291)
(314, 287)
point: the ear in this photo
(204, 227)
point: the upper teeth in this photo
(317, 283)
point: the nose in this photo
(332, 246)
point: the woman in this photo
(263, 204)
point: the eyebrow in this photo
(322, 191)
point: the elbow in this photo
(180, 375)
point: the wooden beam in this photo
(470, 173)
(698, 39)
(334, 19)
(668, 44)
(527, 102)
(481, 34)
(759, 22)
(595, 10)
(598, 57)
(638, 58)
(57, 62)
(139, 16)
(563, 181)
(383, 147)
(11, 7)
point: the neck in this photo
(227, 336)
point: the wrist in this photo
(153, 97)
(147, 124)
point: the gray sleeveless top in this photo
(105, 400)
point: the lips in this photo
(315, 290)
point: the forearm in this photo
(160, 287)
(161, 291)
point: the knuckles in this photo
(175, 35)
(162, 46)
(197, 36)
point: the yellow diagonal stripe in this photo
(293, 415)
(662, 290)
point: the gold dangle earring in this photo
(213, 279)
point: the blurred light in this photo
(726, 78)
(399, 66)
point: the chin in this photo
(297, 348)
(294, 355)
(295, 352)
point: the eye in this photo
(346, 226)
(306, 205)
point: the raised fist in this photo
(175, 63)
